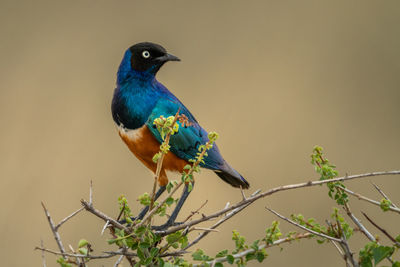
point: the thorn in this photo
(91, 193)
(104, 227)
(243, 195)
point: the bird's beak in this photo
(168, 57)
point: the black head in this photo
(149, 56)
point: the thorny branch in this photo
(54, 230)
(250, 200)
(248, 251)
(305, 228)
(345, 246)
(358, 223)
(377, 203)
(381, 229)
(228, 212)
(221, 221)
(383, 194)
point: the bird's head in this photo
(146, 58)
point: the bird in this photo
(138, 99)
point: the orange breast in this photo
(144, 146)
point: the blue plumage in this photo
(139, 99)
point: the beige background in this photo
(274, 78)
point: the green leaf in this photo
(366, 262)
(144, 245)
(169, 187)
(154, 252)
(169, 201)
(111, 241)
(156, 157)
(147, 261)
(250, 256)
(222, 253)
(230, 259)
(141, 255)
(63, 263)
(82, 243)
(140, 230)
(255, 245)
(145, 199)
(184, 241)
(174, 237)
(130, 242)
(83, 251)
(396, 264)
(218, 264)
(260, 256)
(381, 252)
(198, 255)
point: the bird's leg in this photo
(145, 209)
(171, 220)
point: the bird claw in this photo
(125, 222)
(165, 226)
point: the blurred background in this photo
(273, 78)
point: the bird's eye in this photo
(146, 54)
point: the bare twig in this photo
(348, 253)
(121, 211)
(339, 250)
(120, 252)
(361, 197)
(243, 194)
(119, 261)
(204, 229)
(78, 260)
(103, 216)
(91, 193)
(362, 228)
(54, 230)
(358, 223)
(381, 229)
(304, 228)
(195, 212)
(345, 246)
(250, 200)
(43, 255)
(73, 255)
(221, 221)
(68, 217)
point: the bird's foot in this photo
(165, 226)
(124, 221)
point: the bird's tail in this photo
(232, 177)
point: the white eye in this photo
(146, 54)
